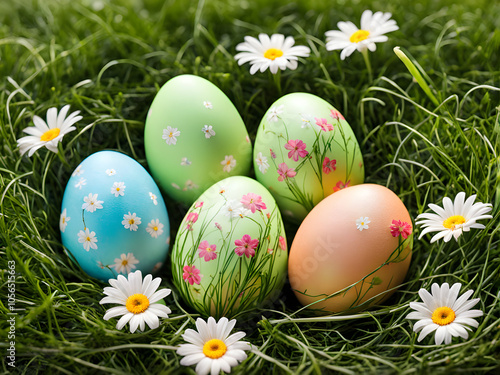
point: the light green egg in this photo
(194, 137)
(230, 253)
(304, 151)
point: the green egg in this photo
(194, 137)
(230, 253)
(304, 151)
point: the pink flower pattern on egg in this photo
(329, 165)
(323, 124)
(297, 149)
(191, 275)
(402, 228)
(285, 172)
(207, 251)
(253, 202)
(246, 246)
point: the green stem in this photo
(368, 64)
(277, 81)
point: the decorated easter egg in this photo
(194, 137)
(113, 219)
(304, 151)
(352, 250)
(230, 253)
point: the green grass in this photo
(109, 63)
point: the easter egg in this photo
(304, 151)
(114, 220)
(352, 250)
(194, 137)
(230, 253)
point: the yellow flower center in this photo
(170, 134)
(131, 221)
(124, 262)
(155, 229)
(443, 316)
(273, 53)
(117, 189)
(214, 348)
(359, 36)
(50, 134)
(88, 238)
(453, 221)
(137, 303)
(228, 162)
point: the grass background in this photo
(109, 58)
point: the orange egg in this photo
(347, 253)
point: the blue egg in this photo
(113, 217)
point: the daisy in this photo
(88, 239)
(80, 183)
(402, 228)
(350, 38)
(78, 171)
(246, 246)
(306, 120)
(208, 105)
(261, 161)
(211, 347)
(125, 264)
(253, 202)
(185, 161)
(234, 209)
(155, 228)
(297, 149)
(139, 299)
(273, 53)
(131, 221)
(274, 112)
(444, 313)
(49, 133)
(63, 221)
(91, 203)
(285, 172)
(153, 198)
(118, 188)
(456, 217)
(170, 134)
(362, 223)
(110, 172)
(208, 130)
(207, 251)
(191, 275)
(228, 163)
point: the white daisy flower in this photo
(139, 299)
(80, 183)
(91, 203)
(234, 209)
(189, 185)
(88, 239)
(274, 113)
(273, 53)
(211, 348)
(170, 134)
(49, 133)
(63, 221)
(261, 161)
(208, 105)
(125, 264)
(362, 223)
(208, 130)
(131, 221)
(185, 161)
(155, 228)
(153, 198)
(350, 38)
(229, 163)
(78, 171)
(444, 313)
(456, 217)
(110, 172)
(306, 120)
(118, 188)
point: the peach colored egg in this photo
(347, 253)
